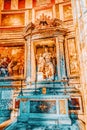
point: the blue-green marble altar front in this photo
(43, 106)
(50, 109)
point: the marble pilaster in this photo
(28, 3)
(58, 61)
(54, 13)
(14, 4)
(61, 10)
(1, 4)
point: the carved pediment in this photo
(46, 22)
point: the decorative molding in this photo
(46, 22)
(46, 26)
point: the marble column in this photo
(28, 59)
(58, 61)
(61, 57)
(33, 62)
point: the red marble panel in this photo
(7, 4)
(21, 4)
(17, 103)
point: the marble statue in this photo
(45, 65)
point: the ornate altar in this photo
(45, 49)
(45, 109)
(45, 70)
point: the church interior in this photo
(43, 72)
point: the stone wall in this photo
(80, 22)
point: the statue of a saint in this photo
(45, 65)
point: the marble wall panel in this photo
(67, 11)
(73, 58)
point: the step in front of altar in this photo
(47, 121)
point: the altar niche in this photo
(46, 64)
